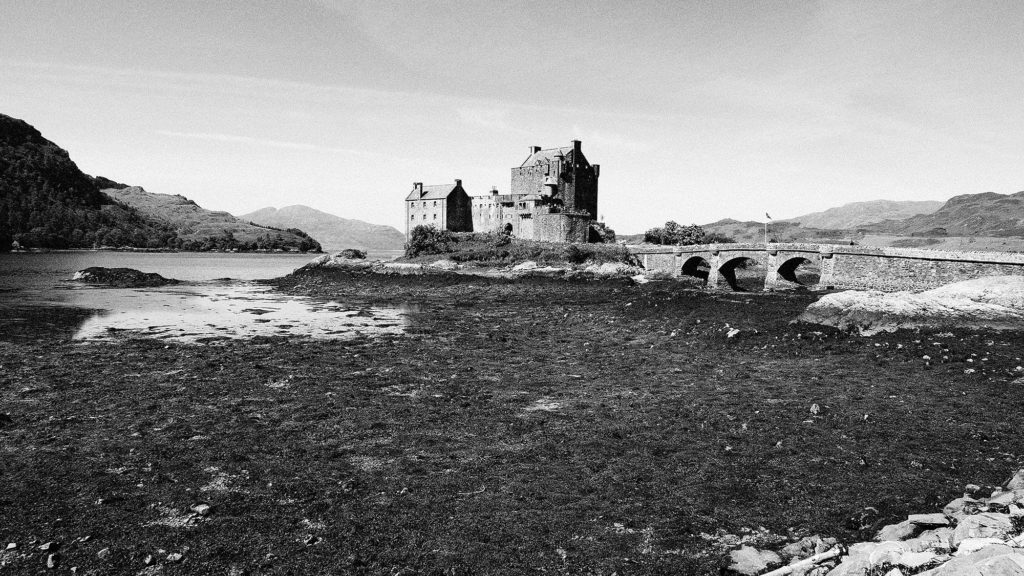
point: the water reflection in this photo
(203, 312)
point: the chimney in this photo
(494, 190)
(576, 146)
(458, 182)
(534, 150)
(418, 187)
(597, 170)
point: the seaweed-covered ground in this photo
(526, 426)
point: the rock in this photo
(894, 572)
(900, 531)
(888, 552)
(985, 525)
(852, 565)
(972, 545)
(964, 565)
(751, 561)
(915, 560)
(938, 539)
(961, 507)
(1006, 498)
(352, 254)
(1017, 482)
(992, 301)
(808, 546)
(103, 554)
(523, 266)
(928, 520)
(148, 559)
(175, 557)
(12, 546)
(49, 546)
(122, 277)
(52, 561)
(1004, 564)
(640, 279)
(202, 508)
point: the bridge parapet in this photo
(841, 265)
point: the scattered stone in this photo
(914, 560)
(202, 508)
(938, 539)
(103, 554)
(888, 552)
(971, 545)
(49, 546)
(1002, 499)
(750, 561)
(929, 520)
(961, 507)
(12, 546)
(52, 560)
(148, 559)
(175, 557)
(984, 525)
(901, 531)
(962, 565)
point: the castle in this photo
(553, 198)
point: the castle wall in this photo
(561, 227)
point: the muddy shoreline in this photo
(519, 425)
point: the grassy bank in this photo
(499, 250)
(520, 426)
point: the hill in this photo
(985, 214)
(333, 232)
(202, 229)
(47, 202)
(857, 214)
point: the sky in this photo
(696, 111)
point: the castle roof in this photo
(545, 156)
(432, 192)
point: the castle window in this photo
(435, 216)
(424, 204)
(412, 217)
(424, 216)
(435, 202)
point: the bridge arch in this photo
(800, 270)
(728, 267)
(696, 266)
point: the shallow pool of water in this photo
(204, 312)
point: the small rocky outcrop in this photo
(991, 302)
(974, 534)
(122, 277)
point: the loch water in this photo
(219, 297)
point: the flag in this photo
(767, 216)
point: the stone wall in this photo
(561, 227)
(842, 266)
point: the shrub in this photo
(429, 240)
(673, 233)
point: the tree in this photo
(674, 234)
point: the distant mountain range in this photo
(333, 232)
(860, 213)
(985, 214)
(47, 202)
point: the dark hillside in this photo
(47, 202)
(984, 214)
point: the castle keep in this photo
(553, 198)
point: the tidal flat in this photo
(517, 426)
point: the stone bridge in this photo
(839, 265)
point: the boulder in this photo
(961, 507)
(852, 565)
(966, 565)
(750, 561)
(915, 560)
(886, 553)
(972, 545)
(928, 520)
(938, 539)
(122, 277)
(985, 525)
(901, 531)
